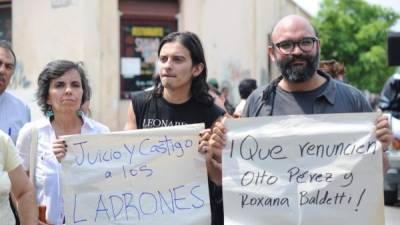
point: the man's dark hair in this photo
(54, 70)
(6, 45)
(199, 88)
(246, 87)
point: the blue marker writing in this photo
(9, 131)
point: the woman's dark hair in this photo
(199, 88)
(54, 70)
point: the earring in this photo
(49, 113)
(80, 113)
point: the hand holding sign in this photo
(317, 169)
(153, 176)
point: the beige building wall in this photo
(234, 34)
(86, 31)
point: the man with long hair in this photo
(180, 96)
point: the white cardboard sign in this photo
(150, 176)
(308, 170)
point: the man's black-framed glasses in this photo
(306, 45)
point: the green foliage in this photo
(354, 32)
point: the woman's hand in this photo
(59, 149)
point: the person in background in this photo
(334, 68)
(301, 88)
(390, 95)
(14, 179)
(180, 96)
(13, 112)
(389, 102)
(213, 83)
(62, 90)
(219, 99)
(246, 87)
(224, 93)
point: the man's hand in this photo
(217, 143)
(383, 132)
(385, 136)
(204, 146)
(214, 170)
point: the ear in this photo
(197, 69)
(319, 44)
(271, 53)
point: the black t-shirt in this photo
(157, 112)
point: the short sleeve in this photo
(24, 144)
(12, 160)
(253, 102)
(249, 101)
(214, 113)
(139, 104)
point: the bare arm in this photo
(24, 193)
(131, 123)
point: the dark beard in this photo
(298, 74)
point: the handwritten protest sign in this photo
(151, 176)
(313, 170)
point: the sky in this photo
(312, 7)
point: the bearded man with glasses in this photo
(301, 88)
(297, 65)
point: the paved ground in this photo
(392, 215)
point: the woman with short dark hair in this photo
(62, 90)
